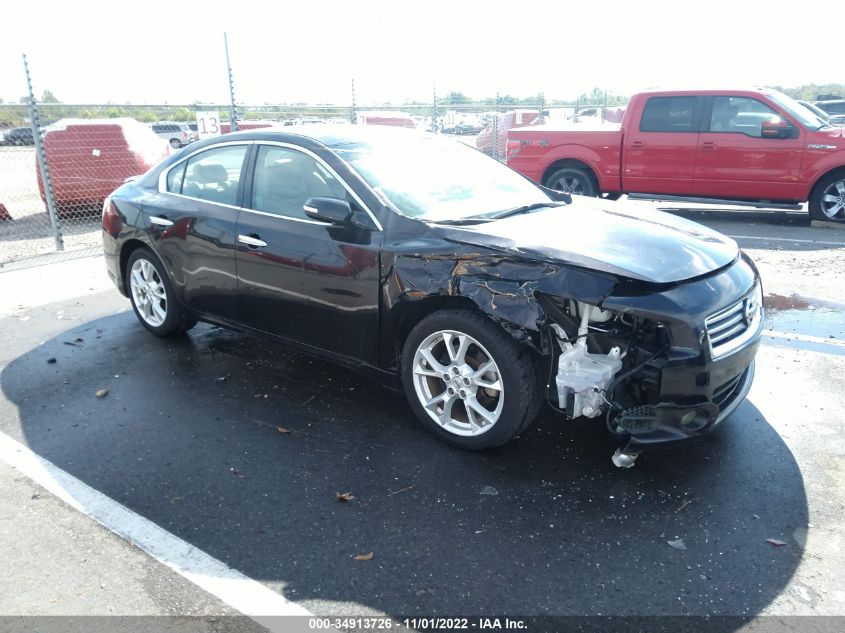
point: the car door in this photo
(659, 154)
(192, 224)
(300, 279)
(736, 161)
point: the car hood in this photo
(610, 237)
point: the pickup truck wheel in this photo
(572, 180)
(827, 203)
(468, 381)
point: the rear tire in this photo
(573, 180)
(827, 202)
(152, 296)
(175, 143)
(453, 395)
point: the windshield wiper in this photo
(461, 222)
(528, 208)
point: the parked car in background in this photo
(423, 263)
(226, 126)
(504, 121)
(390, 118)
(834, 109)
(824, 116)
(754, 147)
(18, 136)
(176, 134)
(89, 158)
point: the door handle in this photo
(160, 221)
(637, 144)
(708, 145)
(252, 241)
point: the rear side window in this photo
(214, 175)
(670, 114)
(175, 177)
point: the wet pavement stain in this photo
(805, 316)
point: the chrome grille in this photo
(731, 327)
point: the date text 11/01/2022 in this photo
(419, 624)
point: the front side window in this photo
(669, 114)
(285, 178)
(740, 115)
(214, 175)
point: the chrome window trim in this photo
(162, 182)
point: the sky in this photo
(309, 51)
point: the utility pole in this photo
(233, 113)
(352, 116)
(434, 108)
(41, 158)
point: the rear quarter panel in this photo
(599, 150)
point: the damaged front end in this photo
(635, 354)
(656, 379)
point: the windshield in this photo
(807, 117)
(436, 179)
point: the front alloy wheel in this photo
(458, 383)
(470, 382)
(833, 200)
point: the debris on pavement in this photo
(344, 496)
(684, 505)
(677, 544)
(281, 429)
(489, 490)
(396, 492)
(51, 361)
(775, 542)
(102, 393)
(367, 556)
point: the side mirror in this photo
(331, 210)
(777, 128)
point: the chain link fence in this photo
(90, 150)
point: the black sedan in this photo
(429, 266)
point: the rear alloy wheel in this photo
(572, 180)
(828, 200)
(175, 143)
(468, 381)
(151, 295)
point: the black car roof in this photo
(331, 135)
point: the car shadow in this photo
(240, 447)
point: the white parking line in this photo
(238, 591)
(785, 239)
(803, 338)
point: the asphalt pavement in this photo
(239, 448)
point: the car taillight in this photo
(512, 149)
(112, 222)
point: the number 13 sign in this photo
(208, 124)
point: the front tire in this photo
(827, 202)
(152, 296)
(468, 381)
(574, 181)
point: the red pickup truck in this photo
(755, 148)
